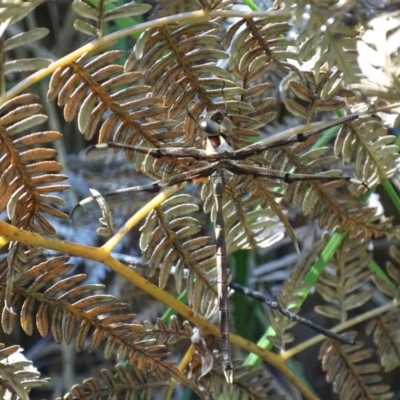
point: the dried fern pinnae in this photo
(131, 382)
(18, 376)
(324, 41)
(169, 333)
(59, 307)
(368, 145)
(13, 46)
(291, 294)
(351, 371)
(102, 13)
(252, 41)
(385, 331)
(28, 173)
(342, 284)
(249, 383)
(169, 238)
(93, 86)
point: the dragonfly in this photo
(216, 161)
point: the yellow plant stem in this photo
(11, 233)
(142, 213)
(339, 328)
(3, 242)
(184, 362)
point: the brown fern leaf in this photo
(168, 333)
(315, 98)
(352, 374)
(259, 42)
(167, 240)
(181, 63)
(385, 331)
(13, 13)
(129, 383)
(165, 8)
(57, 306)
(373, 151)
(249, 383)
(246, 224)
(18, 41)
(28, 173)
(290, 295)
(342, 284)
(322, 40)
(11, 61)
(101, 14)
(94, 86)
(385, 328)
(18, 376)
(268, 197)
(330, 203)
(392, 268)
(380, 70)
(334, 203)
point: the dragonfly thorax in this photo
(218, 144)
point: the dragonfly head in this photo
(217, 127)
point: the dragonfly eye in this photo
(215, 124)
(210, 127)
(218, 116)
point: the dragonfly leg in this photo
(289, 138)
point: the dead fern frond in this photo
(17, 375)
(27, 172)
(181, 76)
(249, 383)
(391, 287)
(246, 224)
(353, 375)
(102, 13)
(258, 42)
(20, 40)
(334, 203)
(322, 40)
(290, 296)
(10, 59)
(57, 306)
(168, 333)
(373, 151)
(130, 383)
(165, 8)
(385, 331)
(378, 58)
(316, 97)
(156, 105)
(385, 328)
(167, 240)
(342, 284)
(93, 86)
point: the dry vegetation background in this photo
(120, 318)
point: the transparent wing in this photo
(110, 210)
(104, 161)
